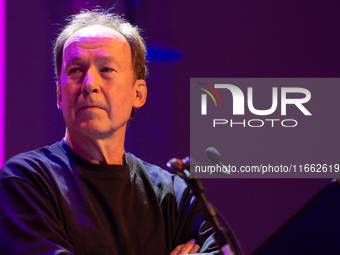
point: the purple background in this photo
(2, 78)
(187, 39)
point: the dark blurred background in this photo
(186, 39)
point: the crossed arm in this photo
(189, 248)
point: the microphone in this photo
(178, 164)
(215, 157)
(223, 237)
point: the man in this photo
(85, 194)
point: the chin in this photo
(96, 128)
(90, 128)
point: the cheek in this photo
(121, 103)
(62, 77)
(118, 93)
(68, 97)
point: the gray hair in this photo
(105, 18)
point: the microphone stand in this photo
(223, 237)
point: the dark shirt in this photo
(54, 202)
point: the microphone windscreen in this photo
(213, 155)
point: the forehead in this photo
(97, 36)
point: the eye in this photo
(74, 70)
(107, 69)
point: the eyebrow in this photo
(105, 57)
(72, 60)
(102, 59)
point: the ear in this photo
(141, 92)
(59, 98)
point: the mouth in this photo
(89, 108)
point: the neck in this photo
(108, 150)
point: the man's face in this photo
(96, 90)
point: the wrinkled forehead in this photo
(94, 32)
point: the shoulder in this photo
(33, 163)
(162, 180)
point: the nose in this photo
(91, 82)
